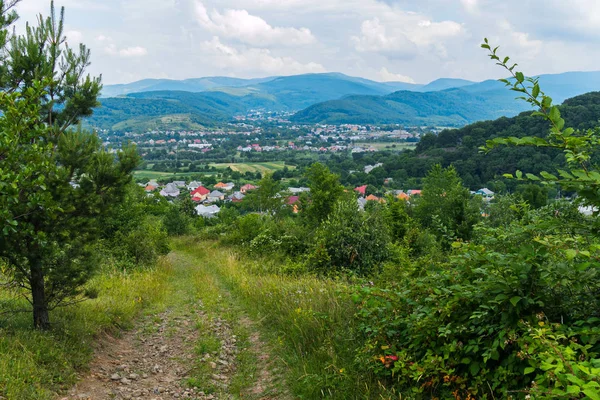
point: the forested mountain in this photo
(450, 107)
(460, 147)
(188, 85)
(325, 98)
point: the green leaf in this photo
(514, 300)
(474, 368)
(520, 77)
(528, 370)
(519, 174)
(572, 389)
(592, 394)
(554, 114)
(536, 91)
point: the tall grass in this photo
(310, 321)
(36, 365)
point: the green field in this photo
(388, 145)
(261, 167)
(148, 175)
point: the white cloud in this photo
(135, 51)
(375, 38)
(74, 38)
(255, 59)
(387, 76)
(250, 29)
(404, 35)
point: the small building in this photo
(200, 194)
(485, 192)
(215, 196)
(361, 189)
(298, 190)
(247, 187)
(171, 190)
(207, 211)
(194, 185)
(237, 197)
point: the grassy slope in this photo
(34, 365)
(309, 321)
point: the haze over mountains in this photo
(319, 98)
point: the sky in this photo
(384, 40)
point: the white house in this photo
(207, 211)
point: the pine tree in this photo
(55, 182)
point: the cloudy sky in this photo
(385, 40)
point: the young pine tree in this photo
(55, 182)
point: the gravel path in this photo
(160, 358)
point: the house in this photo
(171, 190)
(293, 202)
(207, 211)
(237, 197)
(403, 196)
(298, 190)
(362, 202)
(179, 184)
(200, 194)
(247, 187)
(215, 195)
(485, 192)
(372, 197)
(220, 185)
(370, 168)
(361, 189)
(149, 188)
(412, 193)
(228, 186)
(194, 185)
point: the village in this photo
(209, 201)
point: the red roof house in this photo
(361, 189)
(247, 187)
(201, 193)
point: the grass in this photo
(149, 175)
(261, 167)
(309, 322)
(36, 365)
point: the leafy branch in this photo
(577, 146)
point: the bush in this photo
(520, 306)
(350, 240)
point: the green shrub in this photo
(350, 240)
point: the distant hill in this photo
(450, 107)
(188, 85)
(443, 84)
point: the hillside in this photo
(460, 147)
(450, 107)
(188, 85)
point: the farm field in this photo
(145, 174)
(261, 167)
(388, 145)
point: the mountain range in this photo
(318, 98)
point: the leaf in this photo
(548, 176)
(554, 114)
(520, 77)
(592, 394)
(519, 174)
(532, 177)
(571, 254)
(474, 368)
(572, 389)
(536, 91)
(514, 300)
(528, 370)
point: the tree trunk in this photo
(41, 319)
